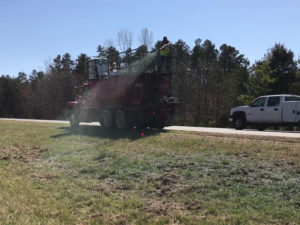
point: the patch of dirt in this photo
(4, 158)
(116, 219)
(241, 171)
(199, 189)
(194, 205)
(165, 183)
(96, 215)
(163, 208)
(47, 177)
(21, 152)
(287, 223)
(108, 187)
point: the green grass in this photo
(52, 175)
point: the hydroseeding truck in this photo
(125, 95)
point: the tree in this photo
(56, 66)
(22, 77)
(140, 52)
(230, 58)
(35, 76)
(275, 74)
(295, 87)
(181, 79)
(196, 54)
(67, 63)
(81, 63)
(80, 72)
(12, 96)
(113, 56)
(261, 80)
(124, 39)
(181, 53)
(283, 67)
(146, 38)
(209, 53)
(101, 51)
(109, 43)
(128, 57)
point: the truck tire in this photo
(158, 124)
(239, 123)
(122, 122)
(74, 121)
(261, 127)
(107, 119)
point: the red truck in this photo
(123, 97)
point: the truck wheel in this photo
(261, 128)
(159, 124)
(121, 120)
(74, 121)
(107, 119)
(239, 123)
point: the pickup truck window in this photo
(273, 101)
(260, 102)
(291, 98)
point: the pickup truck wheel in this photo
(239, 123)
(107, 119)
(74, 121)
(121, 120)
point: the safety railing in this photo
(129, 62)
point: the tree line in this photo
(208, 81)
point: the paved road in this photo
(289, 134)
(269, 133)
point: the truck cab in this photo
(268, 110)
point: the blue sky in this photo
(34, 31)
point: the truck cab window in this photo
(291, 98)
(260, 102)
(273, 101)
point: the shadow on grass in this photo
(114, 134)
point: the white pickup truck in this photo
(269, 110)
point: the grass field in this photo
(52, 175)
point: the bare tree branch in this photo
(146, 38)
(124, 39)
(109, 43)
